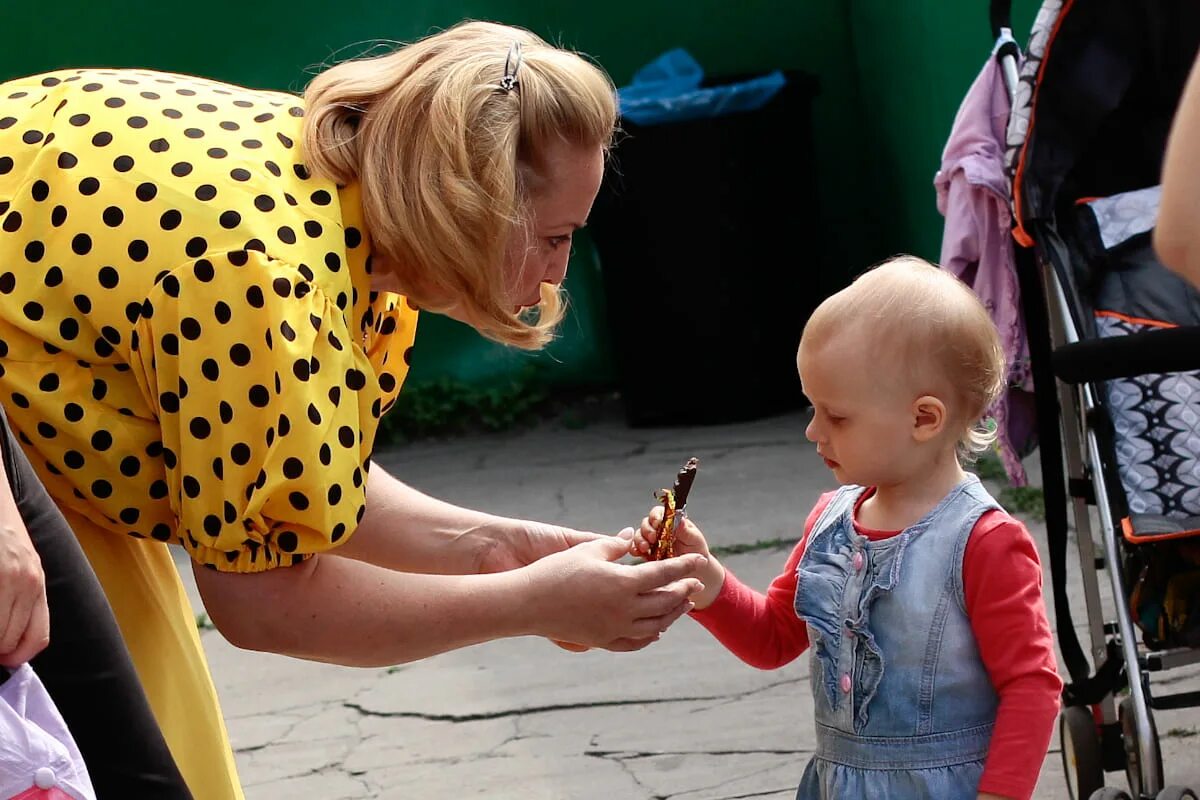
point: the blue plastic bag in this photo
(668, 90)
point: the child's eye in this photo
(836, 420)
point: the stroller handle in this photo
(1000, 14)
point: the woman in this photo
(209, 298)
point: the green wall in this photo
(890, 74)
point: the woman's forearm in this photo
(406, 530)
(1176, 233)
(347, 612)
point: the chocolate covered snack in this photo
(674, 501)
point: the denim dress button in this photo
(857, 560)
(846, 683)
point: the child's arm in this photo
(762, 630)
(1002, 583)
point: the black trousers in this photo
(87, 669)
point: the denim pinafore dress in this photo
(903, 705)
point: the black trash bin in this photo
(710, 252)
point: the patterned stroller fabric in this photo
(1155, 417)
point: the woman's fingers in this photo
(654, 574)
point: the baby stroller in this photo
(1114, 344)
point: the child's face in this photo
(862, 415)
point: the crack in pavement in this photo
(517, 712)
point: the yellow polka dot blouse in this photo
(189, 349)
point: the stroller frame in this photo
(1098, 734)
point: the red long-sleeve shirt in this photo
(1002, 584)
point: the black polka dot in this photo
(83, 303)
(89, 186)
(172, 113)
(73, 412)
(181, 169)
(130, 515)
(240, 453)
(259, 396)
(346, 436)
(264, 202)
(170, 220)
(81, 244)
(6, 165)
(353, 237)
(138, 250)
(190, 328)
(251, 144)
(114, 102)
(159, 146)
(113, 216)
(136, 122)
(101, 489)
(239, 258)
(222, 312)
(158, 490)
(293, 468)
(79, 120)
(226, 412)
(130, 466)
(217, 152)
(273, 168)
(210, 369)
(196, 246)
(58, 216)
(102, 139)
(34, 251)
(101, 440)
(314, 415)
(161, 532)
(12, 222)
(239, 174)
(254, 296)
(206, 191)
(109, 277)
(123, 163)
(170, 344)
(230, 219)
(67, 160)
(282, 287)
(169, 402)
(34, 311)
(239, 354)
(151, 95)
(200, 427)
(32, 136)
(266, 116)
(212, 524)
(146, 192)
(355, 379)
(288, 541)
(300, 369)
(299, 502)
(207, 107)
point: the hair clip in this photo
(512, 63)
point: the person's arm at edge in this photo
(1177, 231)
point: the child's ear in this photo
(929, 417)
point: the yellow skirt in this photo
(159, 627)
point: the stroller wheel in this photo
(1083, 762)
(1110, 793)
(1133, 765)
(1177, 793)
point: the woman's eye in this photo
(556, 242)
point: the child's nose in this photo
(811, 432)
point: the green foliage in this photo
(448, 407)
(1027, 500)
(989, 468)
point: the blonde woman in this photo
(208, 298)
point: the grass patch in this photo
(1027, 500)
(203, 623)
(752, 547)
(1182, 733)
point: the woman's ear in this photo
(929, 417)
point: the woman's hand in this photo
(523, 542)
(24, 616)
(584, 599)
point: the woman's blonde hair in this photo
(932, 328)
(446, 156)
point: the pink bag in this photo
(38, 757)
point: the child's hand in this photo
(688, 539)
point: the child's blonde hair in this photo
(932, 327)
(445, 156)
